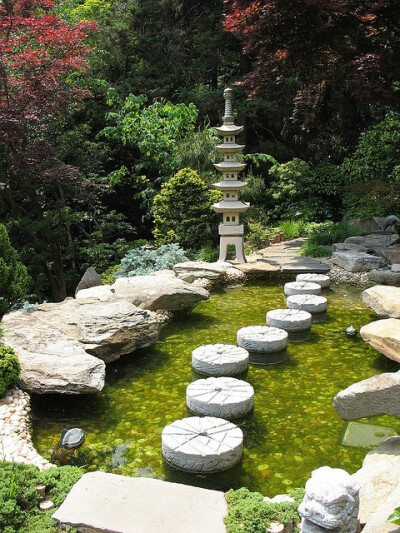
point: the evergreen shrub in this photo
(19, 498)
(142, 261)
(9, 369)
(183, 211)
(13, 274)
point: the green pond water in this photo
(293, 429)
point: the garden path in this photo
(284, 257)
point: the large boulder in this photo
(373, 396)
(354, 261)
(51, 362)
(385, 301)
(150, 292)
(106, 330)
(378, 478)
(384, 277)
(384, 336)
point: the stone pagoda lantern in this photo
(231, 231)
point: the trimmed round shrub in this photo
(9, 369)
(183, 211)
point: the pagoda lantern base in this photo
(237, 242)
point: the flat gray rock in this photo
(384, 336)
(373, 396)
(356, 261)
(384, 277)
(51, 362)
(164, 291)
(384, 300)
(340, 246)
(119, 504)
(378, 478)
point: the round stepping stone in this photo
(307, 302)
(296, 322)
(263, 339)
(221, 397)
(202, 444)
(289, 319)
(320, 279)
(301, 287)
(220, 360)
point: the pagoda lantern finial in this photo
(231, 232)
(228, 118)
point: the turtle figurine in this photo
(70, 440)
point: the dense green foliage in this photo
(19, 498)
(183, 212)
(97, 122)
(249, 513)
(140, 261)
(326, 234)
(13, 274)
(9, 369)
(373, 171)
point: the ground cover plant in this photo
(140, 261)
(248, 512)
(19, 499)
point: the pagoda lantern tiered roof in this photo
(231, 205)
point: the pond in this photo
(294, 428)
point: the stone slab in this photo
(302, 265)
(373, 396)
(384, 336)
(258, 268)
(378, 478)
(364, 435)
(120, 504)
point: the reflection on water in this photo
(294, 428)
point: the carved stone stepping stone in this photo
(263, 339)
(301, 287)
(202, 444)
(320, 279)
(220, 360)
(295, 321)
(316, 305)
(221, 397)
